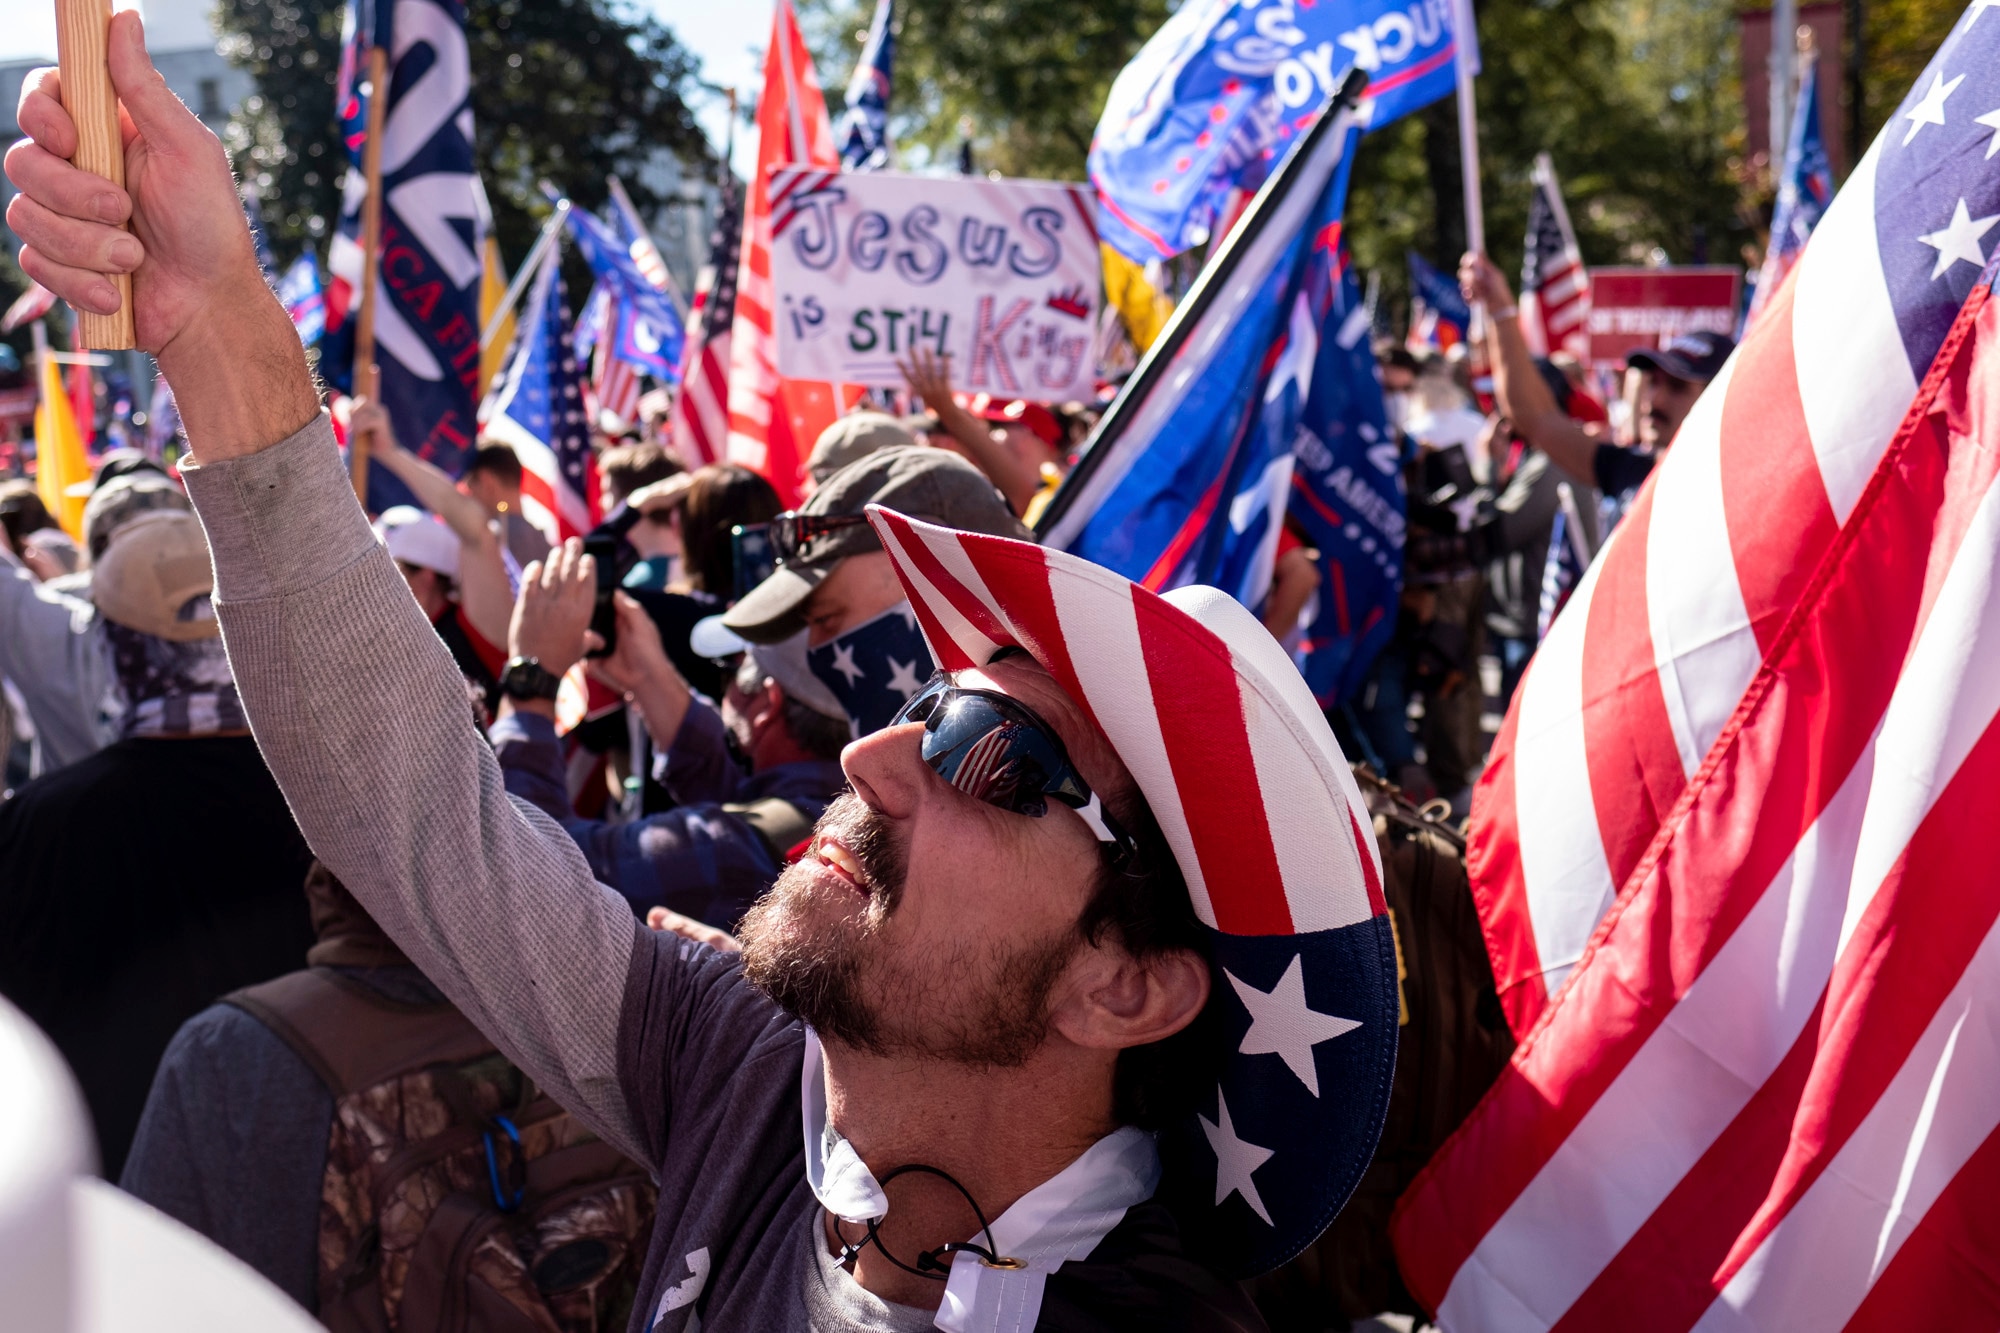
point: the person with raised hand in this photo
(982, 1061)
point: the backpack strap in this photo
(781, 824)
(352, 1037)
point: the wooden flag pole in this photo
(367, 378)
(82, 36)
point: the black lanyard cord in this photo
(934, 1264)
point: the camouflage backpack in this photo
(456, 1197)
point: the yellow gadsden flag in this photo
(60, 465)
(492, 289)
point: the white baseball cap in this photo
(418, 538)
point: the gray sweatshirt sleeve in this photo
(52, 647)
(365, 723)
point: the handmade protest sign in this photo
(1000, 275)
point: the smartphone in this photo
(604, 544)
(751, 559)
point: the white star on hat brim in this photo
(1282, 1025)
(1959, 240)
(1235, 1160)
(1930, 111)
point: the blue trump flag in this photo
(1212, 102)
(1259, 400)
(863, 131)
(644, 327)
(428, 267)
(1443, 302)
(1347, 499)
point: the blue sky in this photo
(723, 33)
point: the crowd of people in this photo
(461, 919)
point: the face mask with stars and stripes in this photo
(874, 668)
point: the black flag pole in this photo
(1214, 278)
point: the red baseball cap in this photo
(1018, 412)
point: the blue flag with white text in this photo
(428, 266)
(1347, 500)
(1212, 101)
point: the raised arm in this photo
(929, 377)
(354, 701)
(483, 591)
(1523, 398)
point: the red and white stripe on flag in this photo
(616, 384)
(701, 409)
(774, 422)
(1665, 631)
(1766, 1098)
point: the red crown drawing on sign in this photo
(1071, 303)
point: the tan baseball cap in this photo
(156, 578)
(854, 437)
(930, 484)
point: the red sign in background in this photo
(1650, 307)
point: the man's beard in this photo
(834, 968)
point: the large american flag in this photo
(700, 421)
(1762, 736)
(1555, 289)
(540, 414)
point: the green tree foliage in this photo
(1899, 37)
(572, 90)
(1636, 102)
(1031, 75)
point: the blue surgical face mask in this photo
(874, 668)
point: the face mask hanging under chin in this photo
(874, 668)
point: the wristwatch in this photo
(526, 678)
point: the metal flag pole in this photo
(526, 273)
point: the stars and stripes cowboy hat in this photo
(1252, 793)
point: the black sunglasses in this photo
(792, 531)
(995, 750)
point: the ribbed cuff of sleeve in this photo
(280, 520)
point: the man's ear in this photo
(1114, 1001)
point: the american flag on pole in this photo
(1763, 736)
(700, 421)
(1555, 289)
(774, 421)
(638, 241)
(540, 415)
(1805, 188)
(864, 127)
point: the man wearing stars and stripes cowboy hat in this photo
(1081, 1005)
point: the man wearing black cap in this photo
(835, 582)
(1674, 378)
